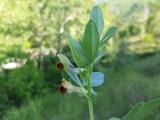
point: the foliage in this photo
(35, 31)
(84, 54)
(19, 85)
(37, 24)
(46, 108)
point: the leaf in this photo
(76, 51)
(100, 54)
(147, 108)
(80, 70)
(97, 79)
(93, 93)
(74, 76)
(69, 68)
(65, 61)
(141, 110)
(109, 33)
(97, 16)
(130, 115)
(90, 42)
(151, 105)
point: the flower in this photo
(66, 86)
(60, 66)
(62, 89)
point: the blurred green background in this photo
(32, 32)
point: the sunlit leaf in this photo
(109, 33)
(97, 16)
(90, 42)
(97, 79)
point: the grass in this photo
(125, 85)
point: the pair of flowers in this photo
(66, 86)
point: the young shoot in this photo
(86, 54)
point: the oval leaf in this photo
(109, 33)
(141, 110)
(97, 79)
(76, 51)
(130, 115)
(90, 42)
(97, 16)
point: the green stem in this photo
(90, 104)
(91, 113)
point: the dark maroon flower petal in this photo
(62, 90)
(60, 66)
